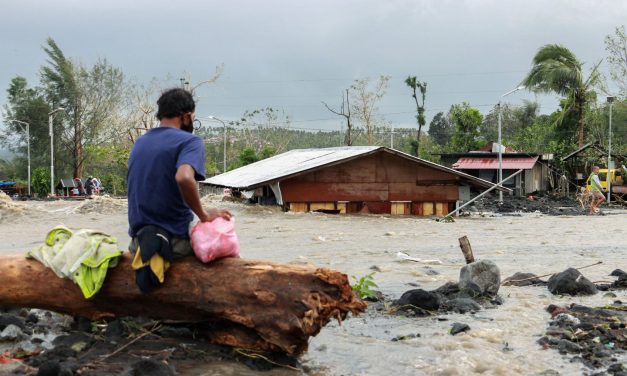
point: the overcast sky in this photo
(292, 55)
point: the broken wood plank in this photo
(249, 304)
(464, 244)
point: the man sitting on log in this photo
(163, 168)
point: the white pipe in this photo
(500, 184)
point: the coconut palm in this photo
(556, 69)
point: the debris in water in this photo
(102, 205)
(459, 328)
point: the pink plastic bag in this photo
(214, 240)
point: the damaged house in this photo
(484, 164)
(370, 179)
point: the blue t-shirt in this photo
(154, 197)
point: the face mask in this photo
(188, 127)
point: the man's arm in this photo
(187, 184)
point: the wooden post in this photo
(464, 244)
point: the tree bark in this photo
(251, 304)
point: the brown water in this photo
(501, 341)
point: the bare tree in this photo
(366, 100)
(420, 108)
(345, 111)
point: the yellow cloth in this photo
(157, 264)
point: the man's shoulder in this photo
(173, 135)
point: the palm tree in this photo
(556, 69)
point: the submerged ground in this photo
(501, 341)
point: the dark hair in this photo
(175, 102)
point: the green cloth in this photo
(83, 256)
(594, 184)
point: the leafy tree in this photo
(616, 46)
(26, 104)
(513, 121)
(247, 156)
(466, 121)
(41, 181)
(92, 99)
(556, 69)
(440, 129)
(365, 101)
(420, 107)
(267, 152)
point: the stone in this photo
(421, 299)
(8, 319)
(115, 330)
(483, 273)
(571, 282)
(459, 328)
(150, 367)
(11, 333)
(462, 305)
(52, 368)
(618, 273)
(523, 279)
(565, 345)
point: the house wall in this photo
(536, 178)
(381, 181)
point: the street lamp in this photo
(21, 123)
(500, 178)
(610, 100)
(50, 117)
(223, 124)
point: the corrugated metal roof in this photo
(470, 163)
(295, 162)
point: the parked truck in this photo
(618, 184)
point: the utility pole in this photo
(610, 100)
(50, 118)
(224, 152)
(500, 178)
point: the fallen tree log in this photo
(250, 304)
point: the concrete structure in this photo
(352, 179)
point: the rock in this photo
(459, 328)
(484, 273)
(462, 305)
(523, 279)
(565, 345)
(609, 295)
(421, 299)
(8, 319)
(115, 330)
(405, 337)
(618, 273)
(150, 367)
(571, 282)
(53, 368)
(12, 333)
(566, 319)
(449, 289)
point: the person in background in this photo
(79, 188)
(597, 191)
(89, 185)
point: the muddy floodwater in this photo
(501, 341)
